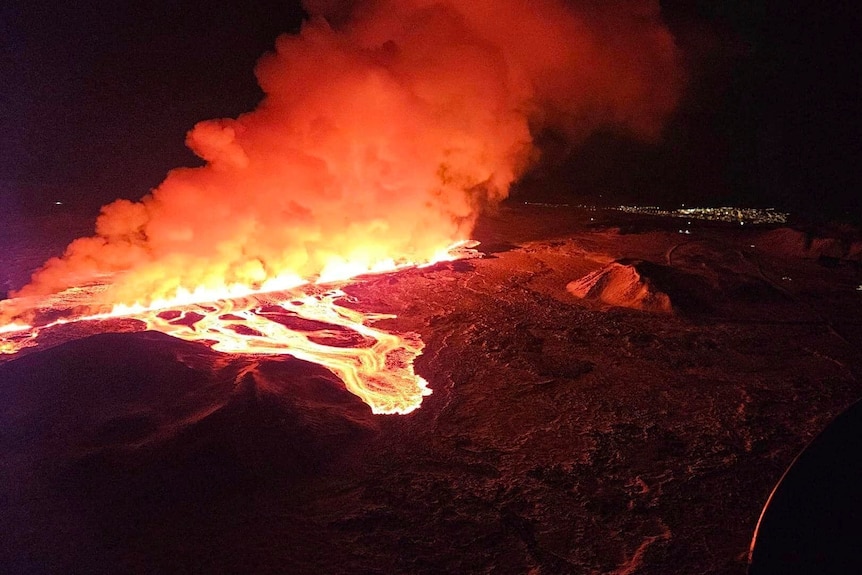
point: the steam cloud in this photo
(386, 126)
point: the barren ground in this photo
(561, 437)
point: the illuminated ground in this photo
(561, 437)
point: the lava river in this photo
(309, 322)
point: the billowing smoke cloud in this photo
(385, 128)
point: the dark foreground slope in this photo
(563, 435)
(142, 453)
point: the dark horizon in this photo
(98, 99)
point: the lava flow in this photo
(307, 322)
(385, 129)
(375, 365)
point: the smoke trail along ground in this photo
(381, 136)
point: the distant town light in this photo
(723, 214)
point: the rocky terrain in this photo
(567, 432)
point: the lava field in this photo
(564, 434)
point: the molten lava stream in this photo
(379, 370)
(306, 323)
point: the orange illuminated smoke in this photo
(385, 128)
(308, 322)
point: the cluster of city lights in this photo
(723, 214)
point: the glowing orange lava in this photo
(375, 365)
(307, 322)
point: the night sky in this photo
(96, 98)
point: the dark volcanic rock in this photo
(623, 283)
(560, 438)
(834, 244)
(113, 443)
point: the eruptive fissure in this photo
(386, 126)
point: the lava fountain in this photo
(385, 128)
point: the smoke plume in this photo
(386, 126)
